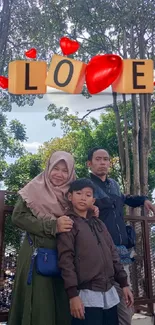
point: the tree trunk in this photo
(145, 141)
(127, 158)
(135, 130)
(126, 141)
(135, 147)
(119, 135)
(4, 31)
(145, 127)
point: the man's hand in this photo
(77, 308)
(149, 206)
(128, 297)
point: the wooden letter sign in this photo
(136, 77)
(27, 77)
(66, 74)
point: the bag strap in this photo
(29, 239)
(29, 279)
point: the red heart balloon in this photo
(154, 83)
(3, 82)
(68, 46)
(102, 71)
(32, 53)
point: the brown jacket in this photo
(88, 258)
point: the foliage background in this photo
(126, 129)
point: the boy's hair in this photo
(91, 152)
(81, 183)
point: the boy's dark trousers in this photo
(98, 316)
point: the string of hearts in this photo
(101, 71)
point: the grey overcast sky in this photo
(40, 130)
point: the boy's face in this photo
(83, 199)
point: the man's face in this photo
(100, 163)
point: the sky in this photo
(38, 129)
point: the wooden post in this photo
(148, 266)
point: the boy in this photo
(90, 263)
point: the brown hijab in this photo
(43, 198)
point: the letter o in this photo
(71, 69)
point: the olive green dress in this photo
(44, 302)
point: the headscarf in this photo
(43, 198)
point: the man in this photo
(111, 201)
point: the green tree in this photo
(22, 171)
(67, 143)
(17, 175)
(128, 29)
(89, 132)
(23, 25)
(11, 137)
(81, 135)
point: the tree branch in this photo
(94, 110)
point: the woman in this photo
(41, 202)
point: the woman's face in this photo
(59, 174)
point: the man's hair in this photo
(91, 152)
(81, 183)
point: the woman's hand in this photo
(64, 224)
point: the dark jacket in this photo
(88, 258)
(110, 202)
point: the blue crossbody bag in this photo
(45, 261)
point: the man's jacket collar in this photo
(99, 180)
